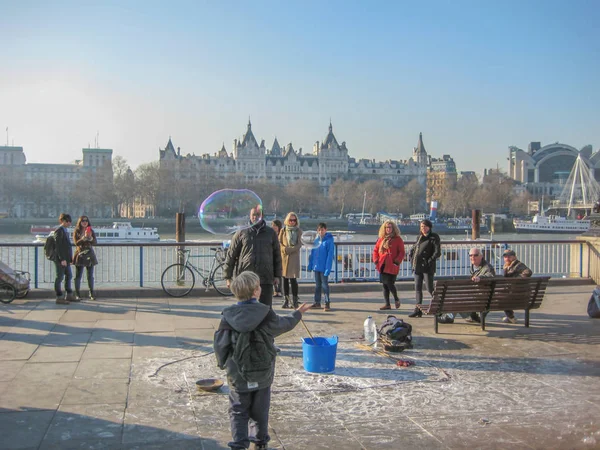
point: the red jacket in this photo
(391, 258)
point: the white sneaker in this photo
(507, 319)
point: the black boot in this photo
(296, 302)
(286, 303)
(416, 313)
(77, 294)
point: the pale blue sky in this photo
(473, 76)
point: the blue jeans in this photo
(321, 282)
(249, 407)
(62, 272)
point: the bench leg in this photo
(527, 318)
(435, 324)
(482, 316)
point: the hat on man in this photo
(509, 252)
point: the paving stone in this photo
(144, 425)
(103, 351)
(23, 429)
(9, 369)
(14, 350)
(93, 390)
(96, 426)
(116, 324)
(103, 368)
(22, 395)
(47, 372)
(103, 336)
(54, 354)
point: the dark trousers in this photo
(321, 283)
(250, 407)
(389, 285)
(277, 289)
(419, 277)
(62, 272)
(286, 286)
(79, 276)
(266, 294)
(509, 313)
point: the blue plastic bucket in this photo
(319, 356)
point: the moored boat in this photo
(551, 224)
(118, 232)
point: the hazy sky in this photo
(473, 76)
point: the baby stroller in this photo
(13, 283)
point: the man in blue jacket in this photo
(320, 260)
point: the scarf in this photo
(385, 244)
(292, 235)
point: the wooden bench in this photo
(490, 294)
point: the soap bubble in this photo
(309, 239)
(228, 210)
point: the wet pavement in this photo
(91, 376)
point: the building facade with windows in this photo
(46, 190)
(329, 161)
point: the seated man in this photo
(480, 268)
(513, 268)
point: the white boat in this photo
(118, 232)
(551, 224)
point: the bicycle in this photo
(178, 279)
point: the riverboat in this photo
(551, 224)
(118, 232)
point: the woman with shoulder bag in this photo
(84, 238)
(423, 256)
(387, 256)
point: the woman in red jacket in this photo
(387, 256)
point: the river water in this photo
(27, 238)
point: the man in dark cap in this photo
(513, 268)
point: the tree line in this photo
(169, 192)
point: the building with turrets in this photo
(328, 162)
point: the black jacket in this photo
(255, 249)
(425, 252)
(64, 250)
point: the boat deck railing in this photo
(141, 264)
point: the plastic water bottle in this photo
(370, 330)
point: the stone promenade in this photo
(87, 376)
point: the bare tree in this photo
(339, 194)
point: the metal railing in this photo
(142, 264)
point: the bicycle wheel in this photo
(7, 293)
(217, 278)
(177, 280)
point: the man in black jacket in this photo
(256, 249)
(62, 261)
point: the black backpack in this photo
(399, 332)
(50, 246)
(254, 354)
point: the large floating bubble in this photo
(309, 239)
(228, 210)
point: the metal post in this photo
(475, 223)
(180, 233)
(141, 266)
(35, 271)
(335, 255)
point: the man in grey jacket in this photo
(249, 399)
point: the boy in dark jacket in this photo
(249, 400)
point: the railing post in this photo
(335, 255)
(141, 266)
(581, 260)
(35, 270)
